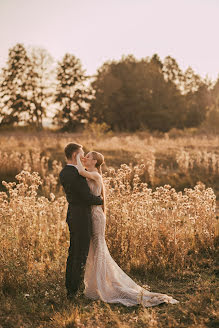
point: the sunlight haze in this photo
(100, 30)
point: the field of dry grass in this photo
(162, 229)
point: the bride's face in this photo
(88, 161)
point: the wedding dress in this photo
(104, 279)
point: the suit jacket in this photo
(77, 192)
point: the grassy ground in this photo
(43, 304)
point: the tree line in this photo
(126, 95)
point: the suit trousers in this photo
(79, 223)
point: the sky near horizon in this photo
(99, 30)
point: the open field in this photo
(180, 162)
(162, 229)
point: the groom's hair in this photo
(71, 148)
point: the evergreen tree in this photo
(72, 95)
(173, 73)
(197, 98)
(1, 99)
(40, 85)
(215, 95)
(211, 124)
(191, 81)
(13, 87)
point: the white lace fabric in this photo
(104, 279)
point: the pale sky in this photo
(100, 30)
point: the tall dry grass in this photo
(152, 230)
(161, 231)
(180, 162)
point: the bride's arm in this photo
(83, 172)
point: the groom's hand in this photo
(101, 199)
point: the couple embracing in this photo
(89, 259)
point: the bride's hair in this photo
(100, 160)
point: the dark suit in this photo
(80, 200)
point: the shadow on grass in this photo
(40, 301)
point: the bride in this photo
(104, 279)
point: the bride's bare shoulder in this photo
(98, 176)
(94, 176)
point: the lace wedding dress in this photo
(104, 279)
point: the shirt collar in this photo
(72, 165)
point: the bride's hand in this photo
(80, 155)
(80, 159)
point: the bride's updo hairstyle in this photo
(100, 160)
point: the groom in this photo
(79, 200)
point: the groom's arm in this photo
(85, 194)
